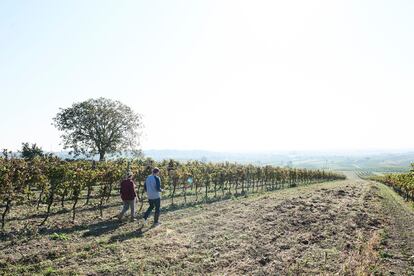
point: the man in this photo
(153, 188)
(128, 196)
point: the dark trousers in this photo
(153, 203)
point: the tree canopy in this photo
(30, 152)
(99, 126)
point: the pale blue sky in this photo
(215, 75)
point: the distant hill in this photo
(368, 160)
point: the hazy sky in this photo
(216, 75)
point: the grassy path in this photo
(398, 249)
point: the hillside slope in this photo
(345, 227)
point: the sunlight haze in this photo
(214, 75)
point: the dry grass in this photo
(365, 260)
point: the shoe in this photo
(156, 224)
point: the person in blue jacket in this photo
(153, 188)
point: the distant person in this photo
(128, 196)
(153, 188)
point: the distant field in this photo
(381, 161)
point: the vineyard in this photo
(363, 174)
(401, 183)
(49, 184)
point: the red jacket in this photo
(128, 190)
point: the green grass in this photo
(60, 237)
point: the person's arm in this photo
(134, 189)
(121, 191)
(158, 183)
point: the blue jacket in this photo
(153, 187)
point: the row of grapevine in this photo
(364, 173)
(402, 183)
(51, 182)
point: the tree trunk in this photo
(185, 193)
(173, 192)
(110, 191)
(6, 210)
(215, 189)
(88, 196)
(75, 202)
(141, 200)
(40, 199)
(196, 191)
(49, 204)
(101, 156)
(206, 186)
(62, 201)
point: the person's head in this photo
(155, 171)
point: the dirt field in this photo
(351, 227)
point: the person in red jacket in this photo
(128, 196)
